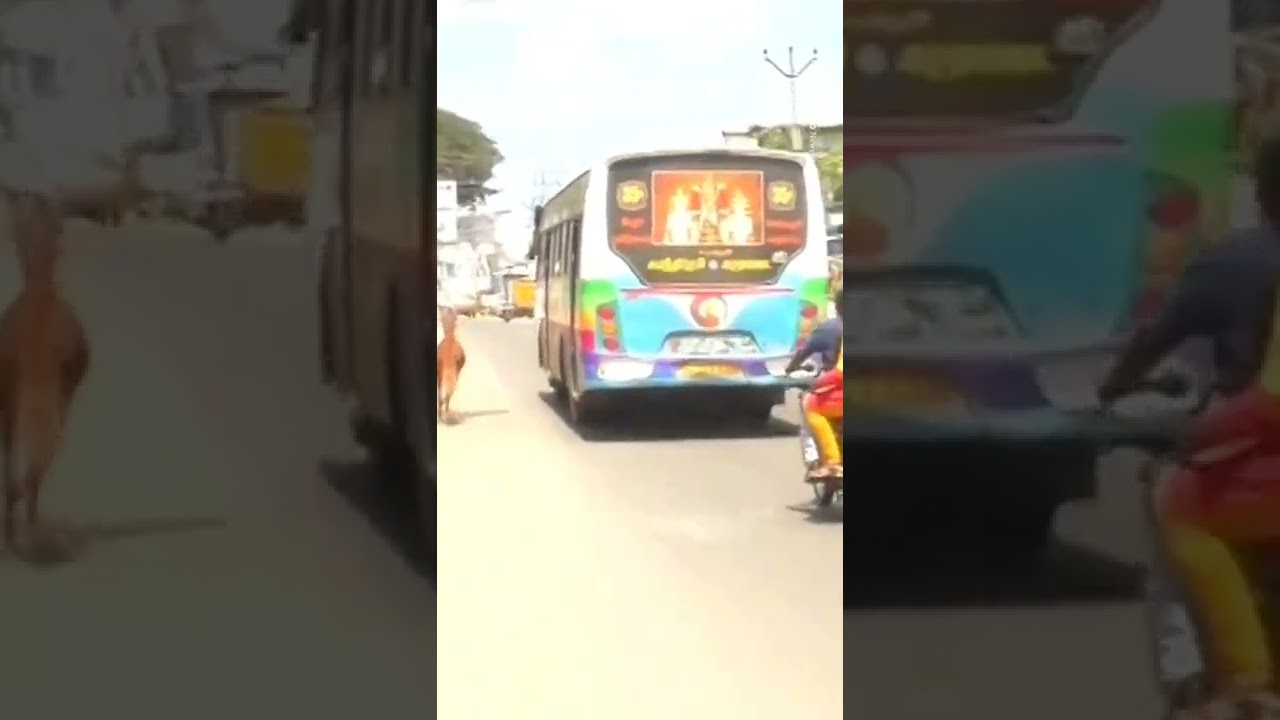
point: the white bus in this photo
(696, 270)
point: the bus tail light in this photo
(607, 326)
(808, 321)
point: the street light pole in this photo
(792, 74)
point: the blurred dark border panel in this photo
(1255, 14)
(373, 88)
(1024, 184)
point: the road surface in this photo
(694, 557)
(240, 560)
(228, 566)
(616, 577)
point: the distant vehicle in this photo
(371, 178)
(691, 271)
(463, 285)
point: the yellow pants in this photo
(1224, 599)
(1203, 540)
(824, 435)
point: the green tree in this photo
(771, 138)
(831, 173)
(466, 154)
(830, 164)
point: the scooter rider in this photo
(827, 343)
(1227, 296)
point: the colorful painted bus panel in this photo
(1023, 181)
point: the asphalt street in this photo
(240, 559)
(659, 568)
(229, 562)
(720, 515)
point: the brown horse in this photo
(450, 358)
(44, 355)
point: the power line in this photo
(792, 74)
(543, 186)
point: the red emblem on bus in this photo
(709, 311)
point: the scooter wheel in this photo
(824, 494)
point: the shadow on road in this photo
(636, 422)
(954, 575)
(389, 502)
(60, 543)
(832, 514)
(457, 417)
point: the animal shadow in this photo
(457, 417)
(56, 543)
(471, 414)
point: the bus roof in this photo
(749, 152)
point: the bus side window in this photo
(378, 71)
(543, 261)
(549, 253)
(366, 47)
(410, 39)
(382, 72)
(561, 250)
(557, 251)
(333, 47)
(427, 42)
(573, 242)
(326, 46)
(566, 248)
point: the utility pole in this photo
(792, 74)
(543, 184)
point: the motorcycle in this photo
(1233, 443)
(826, 490)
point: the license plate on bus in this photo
(711, 344)
(707, 371)
(890, 393)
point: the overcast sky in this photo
(562, 83)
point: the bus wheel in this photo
(582, 408)
(560, 386)
(387, 449)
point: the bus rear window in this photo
(978, 60)
(707, 219)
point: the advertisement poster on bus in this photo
(940, 60)
(1021, 184)
(718, 220)
(1039, 142)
